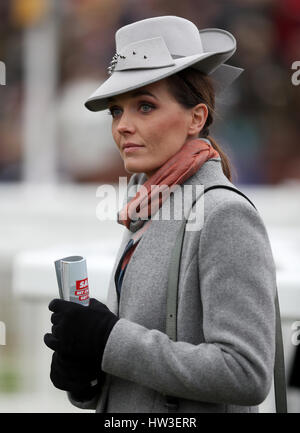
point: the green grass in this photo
(9, 380)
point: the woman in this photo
(161, 95)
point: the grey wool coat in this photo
(223, 358)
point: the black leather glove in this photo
(83, 381)
(294, 378)
(80, 332)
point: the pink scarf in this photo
(186, 162)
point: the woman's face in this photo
(152, 119)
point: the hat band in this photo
(143, 54)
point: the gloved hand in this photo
(80, 332)
(83, 381)
(294, 377)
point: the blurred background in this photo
(54, 154)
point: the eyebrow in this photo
(135, 94)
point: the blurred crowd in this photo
(258, 126)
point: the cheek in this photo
(116, 136)
(170, 131)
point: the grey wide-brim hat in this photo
(155, 48)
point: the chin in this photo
(135, 168)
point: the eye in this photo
(112, 111)
(149, 106)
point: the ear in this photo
(199, 115)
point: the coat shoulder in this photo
(211, 174)
(220, 199)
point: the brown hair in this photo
(190, 87)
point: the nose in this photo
(125, 124)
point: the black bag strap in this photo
(171, 319)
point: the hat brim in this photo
(210, 62)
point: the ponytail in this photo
(224, 158)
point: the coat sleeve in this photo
(237, 285)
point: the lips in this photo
(129, 148)
(129, 145)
